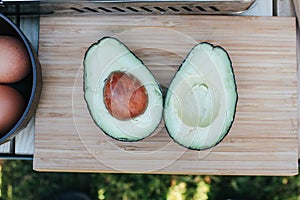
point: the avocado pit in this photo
(124, 96)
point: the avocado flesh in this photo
(201, 101)
(103, 58)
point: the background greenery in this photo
(18, 181)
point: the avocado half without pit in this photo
(122, 95)
(200, 104)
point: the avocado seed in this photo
(124, 96)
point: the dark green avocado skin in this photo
(84, 77)
(220, 140)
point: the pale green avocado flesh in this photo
(201, 101)
(103, 58)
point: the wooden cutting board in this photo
(263, 138)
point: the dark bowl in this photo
(30, 86)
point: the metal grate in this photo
(184, 9)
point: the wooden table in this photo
(22, 146)
(26, 138)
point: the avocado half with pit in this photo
(122, 95)
(201, 100)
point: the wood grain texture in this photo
(297, 13)
(25, 138)
(260, 8)
(263, 138)
(291, 8)
(5, 148)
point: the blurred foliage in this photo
(18, 181)
(130, 187)
(255, 187)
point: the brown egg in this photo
(15, 63)
(12, 105)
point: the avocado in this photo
(201, 101)
(122, 95)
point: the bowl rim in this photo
(25, 41)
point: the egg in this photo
(12, 105)
(15, 63)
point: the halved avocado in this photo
(201, 101)
(122, 95)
